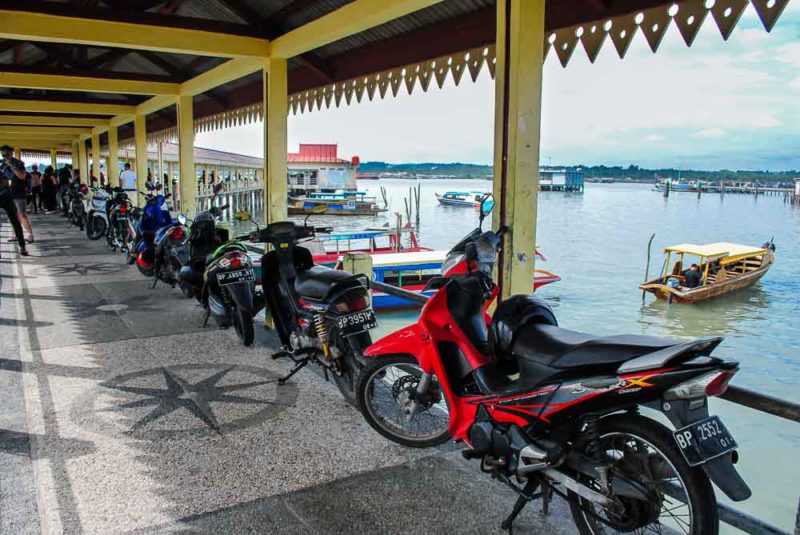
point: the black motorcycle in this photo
(220, 275)
(322, 315)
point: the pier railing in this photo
(735, 394)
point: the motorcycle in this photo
(549, 410)
(96, 216)
(171, 254)
(322, 315)
(121, 216)
(148, 229)
(220, 275)
(75, 199)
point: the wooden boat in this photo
(411, 271)
(339, 203)
(725, 267)
(460, 198)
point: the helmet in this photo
(512, 315)
(146, 262)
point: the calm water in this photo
(597, 243)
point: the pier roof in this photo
(86, 61)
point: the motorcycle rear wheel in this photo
(349, 364)
(646, 453)
(243, 323)
(384, 385)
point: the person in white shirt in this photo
(127, 179)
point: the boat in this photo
(337, 203)
(368, 176)
(461, 198)
(725, 268)
(411, 271)
(327, 249)
(679, 185)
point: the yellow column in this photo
(158, 176)
(518, 106)
(83, 162)
(276, 110)
(95, 156)
(18, 153)
(53, 159)
(140, 143)
(112, 164)
(187, 179)
(75, 155)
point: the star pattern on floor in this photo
(181, 394)
(83, 269)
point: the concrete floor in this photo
(93, 439)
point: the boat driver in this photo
(693, 277)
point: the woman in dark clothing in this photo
(49, 188)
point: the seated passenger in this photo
(693, 277)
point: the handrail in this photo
(763, 402)
(398, 292)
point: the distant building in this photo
(318, 168)
(561, 180)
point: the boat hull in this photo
(673, 295)
(293, 210)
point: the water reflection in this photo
(721, 316)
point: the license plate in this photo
(356, 323)
(232, 277)
(704, 440)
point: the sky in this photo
(716, 105)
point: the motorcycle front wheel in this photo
(243, 322)
(643, 451)
(95, 227)
(388, 399)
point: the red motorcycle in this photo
(549, 410)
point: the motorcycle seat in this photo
(315, 283)
(554, 347)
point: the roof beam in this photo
(46, 106)
(43, 130)
(43, 27)
(222, 74)
(58, 82)
(355, 17)
(51, 120)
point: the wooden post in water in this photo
(699, 188)
(666, 188)
(418, 192)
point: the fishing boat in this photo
(461, 198)
(724, 268)
(338, 203)
(411, 271)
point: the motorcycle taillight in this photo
(123, 208)
(236, 260)
(178, 233)
(354, 300)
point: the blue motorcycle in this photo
(151, 227)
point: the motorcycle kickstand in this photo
(525, 496)
(205, 320)
(547, 497)
(300, 364)
(155, 281)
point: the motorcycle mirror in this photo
(182, 219)
(318, 209)
(242, 215)
(217, 189)
(487, 205)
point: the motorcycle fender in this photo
(242, 295)
(720, 470)
(407, 341)
(216, 306)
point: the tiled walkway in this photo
(94, 437)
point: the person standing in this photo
(127, 179)
(11, 170)
(36, 189)
(49, 189)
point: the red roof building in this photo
(316, 153)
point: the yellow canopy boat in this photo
(723, 268)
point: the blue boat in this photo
(337, 203)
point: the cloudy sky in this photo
(732, 105)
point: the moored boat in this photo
(338, 203)
(411, 271)
(462, 198)
(721, 269)
(679, 185)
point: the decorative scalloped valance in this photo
(687, 15)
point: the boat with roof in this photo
(462, 198)
(337, 203)
(722, 268)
